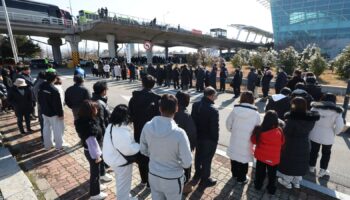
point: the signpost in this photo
(12, 41)
(147, 45)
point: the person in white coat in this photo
(117, 143)
(241, 123)
(330, 124)
(117, 71)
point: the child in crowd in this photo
(268, 138)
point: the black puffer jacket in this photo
(143, 106)
(281, 106)
(295, 153)
(75, 95)
(87, 127)
(185, 121)
(50, 100)
(21, 103)
(315, 91)
(206, 118)
(104, 113)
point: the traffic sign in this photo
(147, 45)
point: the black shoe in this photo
(207, 183)
(195, 180)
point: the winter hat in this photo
(310, 80)
(20, 82)
(329, 97)
(286, 91)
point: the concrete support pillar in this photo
(220, 51)
(262, 37)
(199, 50)
(111, 45)
(246, 39)
(132, 49)
(256, 35)
(267, 39)
(149, 55)
(74, 45)
(56, 43)
(166, 53)
(229, 50)
(239, 33)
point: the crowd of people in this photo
(299, 119)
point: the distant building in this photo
(301, 22)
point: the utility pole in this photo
(12, 41)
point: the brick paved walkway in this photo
(64, 174)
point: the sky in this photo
(190, 14)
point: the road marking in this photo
(305, 183)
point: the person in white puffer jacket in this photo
(241, 123)
(119, 139)
(330, 124)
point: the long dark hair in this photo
(88, 109)
(120, 115)
(270, 122)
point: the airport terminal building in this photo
(301, 22)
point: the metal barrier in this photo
(18, 17)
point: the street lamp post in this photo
(12, 41)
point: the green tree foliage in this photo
(342, 63)
(289, 58)
(245, 56)
(318, 64)
(192, 59)
(25, 47)
(308, 53)
(236, 60)
(257, 61)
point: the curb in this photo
(305, 183)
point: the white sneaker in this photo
(106, 178)
(284, 183)
(103, 187)
(312, 169)
(323, 172)
(133, 198)
(296, 185)
(100, 196)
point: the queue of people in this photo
(298, 122)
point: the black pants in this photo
(191, 83)
(143, 167)
(326, 154)
(237, 90)
(176, 83)
(20, 116)
(205, 152)
(239, 170)
(107, 74)
(199, 86)
(41, 121)
(222, 85)
(265, 91)
(260, 173)
(187, 174)
(94, 174)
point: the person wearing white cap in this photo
(21, 98)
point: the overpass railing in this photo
(45, 20)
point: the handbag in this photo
(129, 159)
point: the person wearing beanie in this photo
(324, 131)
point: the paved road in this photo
(121, 91)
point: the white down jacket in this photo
(241, 123)
(330, 124)
(123, 140)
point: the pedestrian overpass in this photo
(116, 28)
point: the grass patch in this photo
(40, 195)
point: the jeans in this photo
(94, 174)
(265, 91)
(222, 84)
(239, 170)
(326, 154)
(176, 83)
(260, 173)
(20, 116)
(205, 152)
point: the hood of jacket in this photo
(278, 97)
(327, 105)
(245, 110)
(161, 126)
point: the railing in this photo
(50, 21)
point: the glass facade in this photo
(301, 22)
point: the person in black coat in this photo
(281, 80)
(7, 79)
(206, 118)
(296, 79)
(100, 96)
(185, 121)
(132, 69)
(295, 152)
(185, 77)
(207, 78)
(124, 71)
(265, 82)
(168, 74)
(25, 74)
(200, 77)
(279, 103)
(313, 89)
(252, 78)
(300, 91)
(143, 106)
(76, 94)
(159, 75)
(223, 77)
(191, 76)
(176, 77)
(21, 98)
(151, 71)
(237, 82)
(212, 77)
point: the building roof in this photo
(253, 29)
(265, 3)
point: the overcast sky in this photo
(190, 14)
